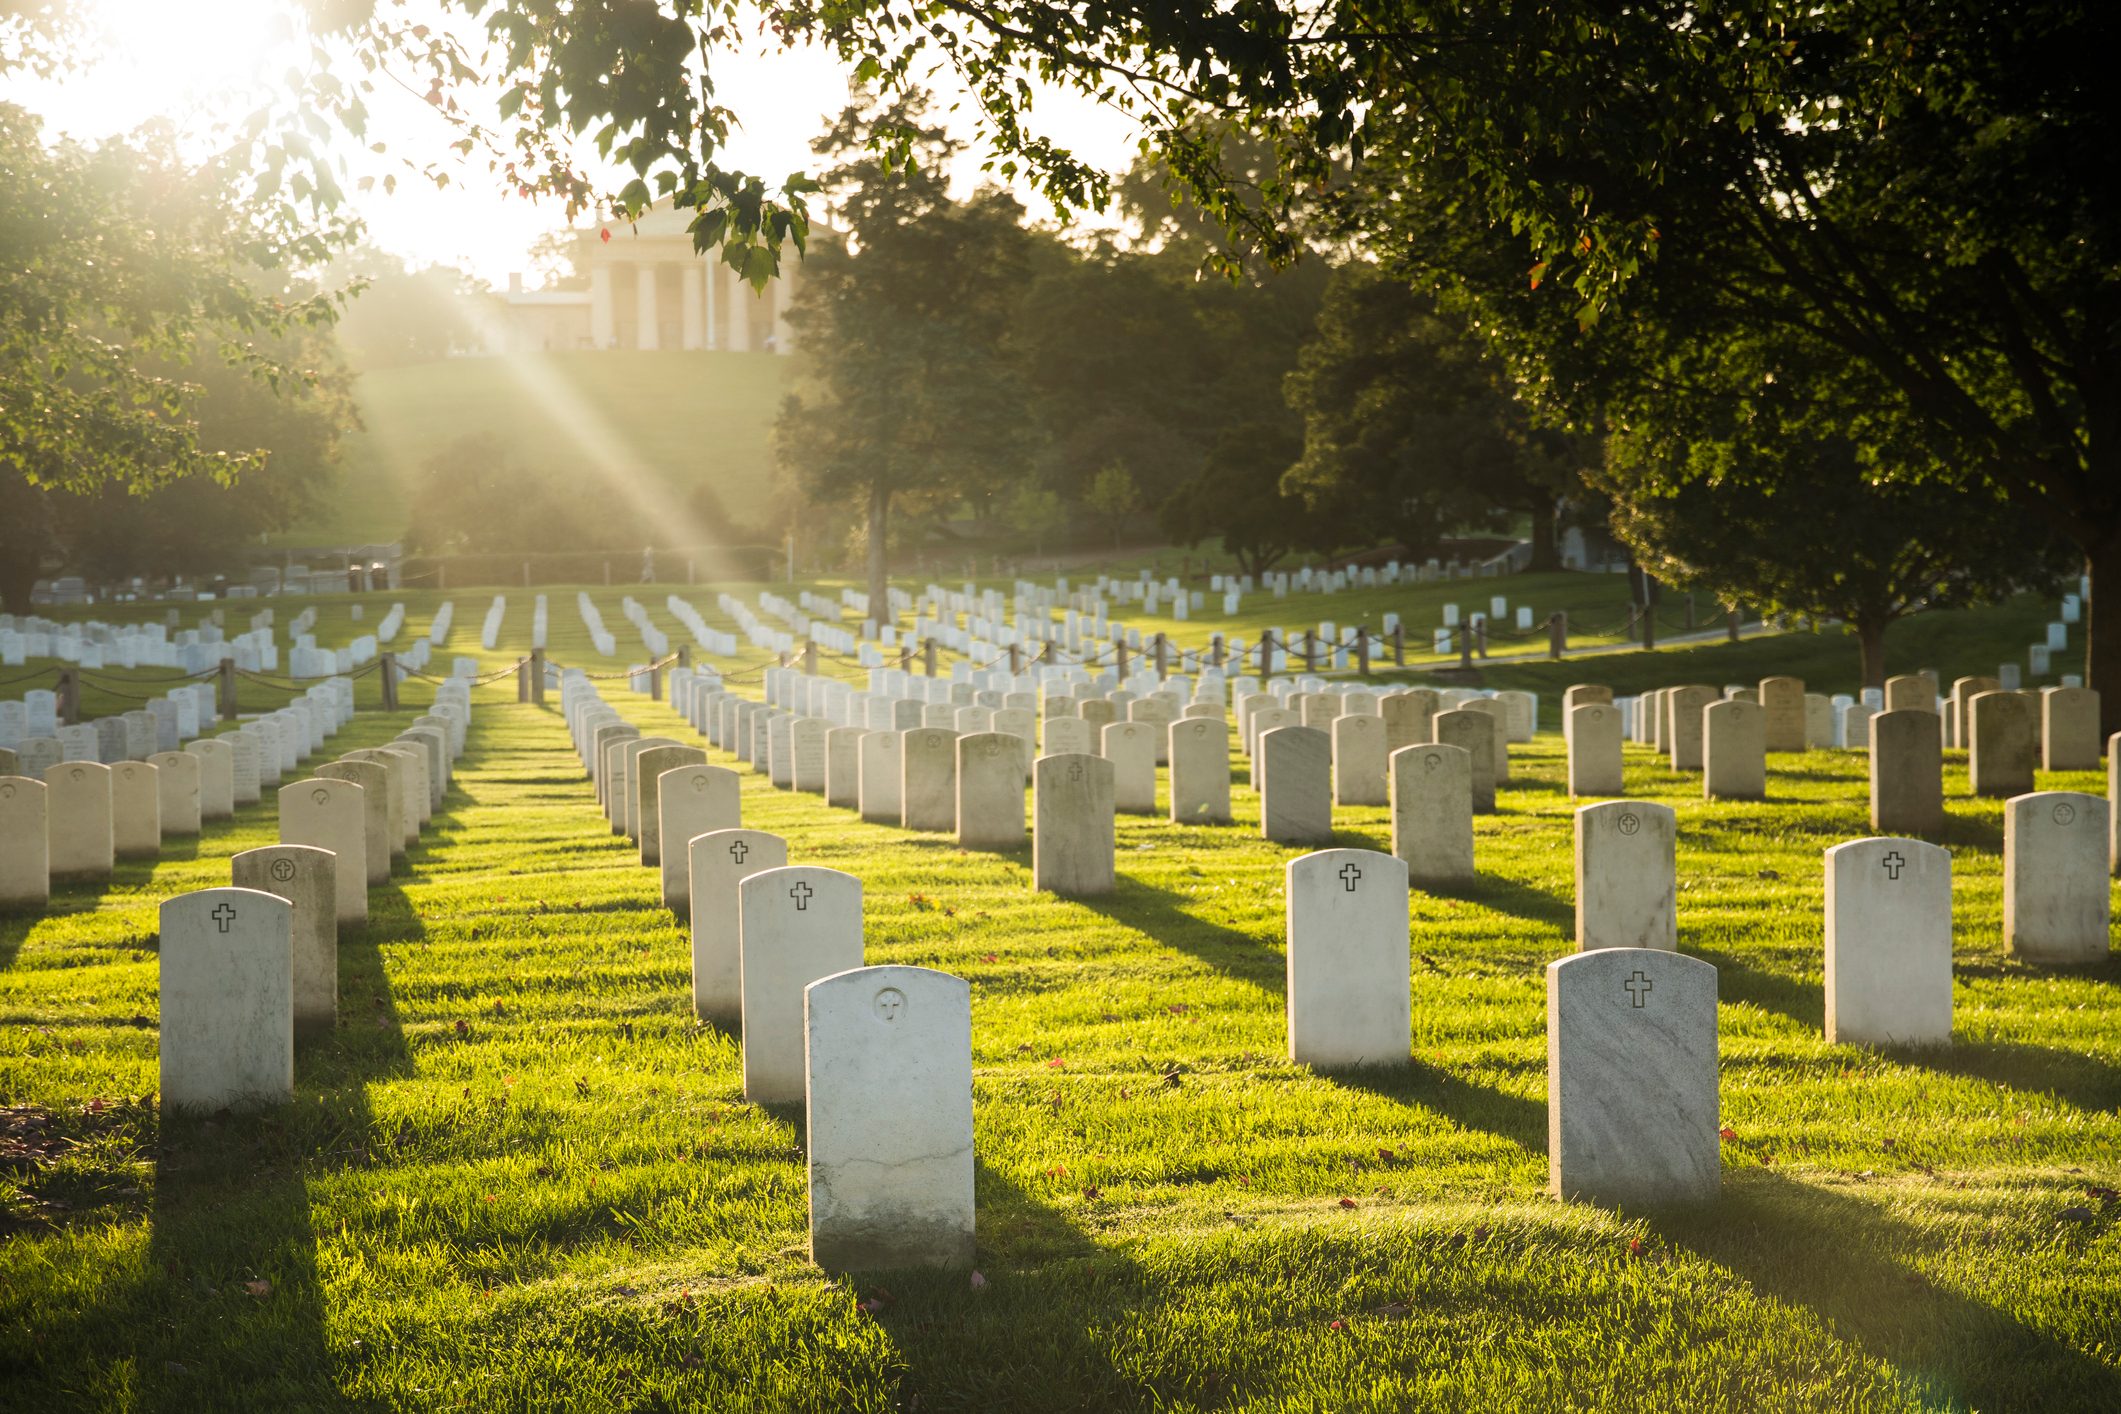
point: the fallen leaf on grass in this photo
(2076, 1215)
(1726, 1134)
(259, 1289)
(1347, 1202)
(979, 1283)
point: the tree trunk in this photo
(2102, 631)
(879, 567)
(1546, 553)
(1870, 643)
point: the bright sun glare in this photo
(173, 58)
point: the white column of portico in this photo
(645, 335)
(713, 280)
(689, 303)
(739, 312)
(601, 329)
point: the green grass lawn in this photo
(521, 1176)
(674, 418)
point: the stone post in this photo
(228, 689)
(537, 676)
(1557, 634)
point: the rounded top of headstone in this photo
(1619, 964)
(2059, 807)
(892, 994)
(1887, 851)
(1627, 817)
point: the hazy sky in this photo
(199, 61)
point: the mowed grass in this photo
(520, 1175)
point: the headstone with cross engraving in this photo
(1432, 813)
(1408, 715)
(720, 862)
(2069, 728)
(1889, 943)
(1631, 1077)
(888, 1077)
(1069, 736)
(796, 925)
(77, 807)
(883, 759)
(1200, 770)
(1734, 750)
(227, 1000)
(1295, 785)
(2057, 901)
(217, 777)
(307, 878)
(1626, 883)
(1594, 750)
(379, 829)
(25, 844)
(990, 791)
(649, 769)
(331, 814)
(928, 780)
(1907, 771)
(1358, 760)
(2002, 746)
(1349, 969)
(691, 801)
(1473, 733)
(1072, 848)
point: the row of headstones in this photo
(31, 728)
(886, 1051)
(93, 644)
(880, 1057)
(248, 970)
(66, 820)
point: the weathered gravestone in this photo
(378, 827)
(1889, 943)
(307, 878)
(691, 801)
(1595, 760)
(176, 793)
(77, 806)
(2057, 898)
(720, 862)
(650, 767)
(1626, 880)
(1264, 720)
(217, 778)
(928, 780)
(806, 754)
(1910, 692)
(1072, 845)
(780, 751)
(1295, 785)
(888, 1076)
(1782, 702)
(1069, 736)
(1349, 963)
(436, 744)
(227, 1000)
(1200, 771)
(1131, 748)
(2000, 759)
(1631, 1077)
(331, 814)
(843, 767)
(1959, 718)
(1499, 733)
(2069, 728)
(25, 845)
(245, 786)
(1358, 760)
(990, 791)
(1474, 734)
(1907, 771)
(1407, 717)
(1684, 726)
(629, 781)
(413, 810)
(1432, 813)
(135, 810)
(882, 767)
(1734, 750)
(798, 924)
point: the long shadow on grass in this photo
(1523, 1122)
(1507, 896)
(2087, 1082)
(1160, 915)
(231, 1207)
(1036, 1264)
(1803, 1002)
(1855, 1265)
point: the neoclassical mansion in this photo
(650, 290)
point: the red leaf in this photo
(605, 235)
(1347, 1202)
(1727, 1133)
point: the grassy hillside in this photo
(678, 418)
(520, 1175)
